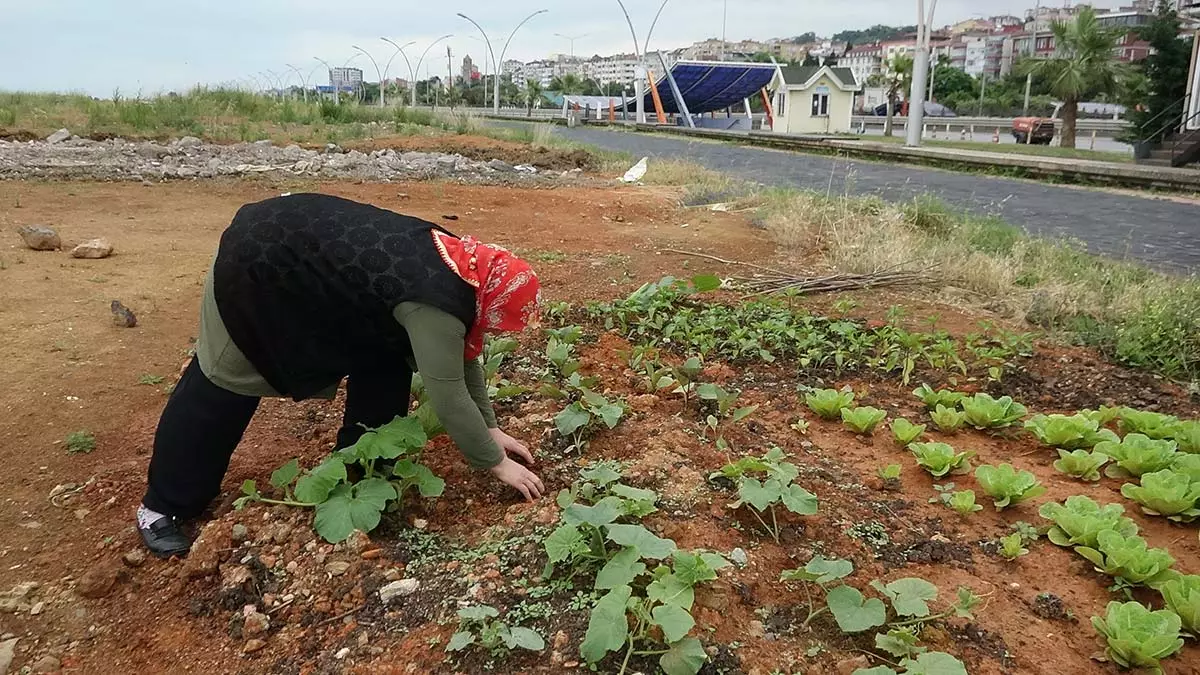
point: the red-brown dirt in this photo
(68, 368)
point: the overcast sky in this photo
(151, 46)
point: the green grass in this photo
(1133, 314)
(1015, 149)
(80, 442)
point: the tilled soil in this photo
(103, 611)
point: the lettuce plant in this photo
(1079, 521)
(906, 432)
(1154, 425)
(1069, 432)
(862, 420)
(1102, 415)
(1137, 637)
(940, 459)
(948, 420)
(1127, 558)
(962, 501)
(1187, 436)
(828, 403)
(1166, 493)
(1013, 546)
(985, 412)
(1182, 596)
(1081, 463)
(932, 399)
(1188, 465)
(1137, 454)
(1007, 486)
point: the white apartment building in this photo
(864, 61)
(345, 79)
(605, 69)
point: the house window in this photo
(820, 105)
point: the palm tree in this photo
(568, 84)
(1082, 66)
(533, 93)
(898, 79)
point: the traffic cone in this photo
(996, 136)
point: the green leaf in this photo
(344, 512)
(572, 418)
(669, 589)
(610, 414)
(605, 511)
(675, 621)
(934, 663)
(1138, 637)
(908, 595)
(478, 613)
(877, 670)
(820, 570)
(284, 475)
(799, 501)
(647, 544)
(703, 283)
(429, 485)
(602, 474)
(853, 612)
(685, 657)
(899, 643)
(562, 543)
(374, 491)
(742, 413)
(621, 570)
(759, 495)
(314, 487)
(634, 494)
(1007, 486)
(459, 641)
(607, 628)
(828, 403)
(527, 639)
(694, 568)
(249, 488)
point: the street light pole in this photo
(724, 22)
(916, 99)
(303, 80)
(572, 40)
(497, 63)
(399, 50)
(412, 72)
(378, 73)
(1033, 54)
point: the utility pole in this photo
(916, 102)
(724, 22)
(1033, 51)
(450, 73)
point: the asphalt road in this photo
(1159, 231)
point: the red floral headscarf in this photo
(507, 291)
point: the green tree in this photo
(533, 95)
(949, 81)
(1155, 90)
(1082, 66)
(811, 60)
(568, 84)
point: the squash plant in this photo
(388, 459)
(478, 625)
(579, 418)
(772, 487)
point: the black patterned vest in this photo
(306, 285)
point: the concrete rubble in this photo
(189, 158)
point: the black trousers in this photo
(202, 424)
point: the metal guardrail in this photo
(1105, 127)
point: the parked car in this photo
(931, 110)
(1035, 130)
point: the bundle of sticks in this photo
(770, 280)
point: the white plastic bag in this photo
(636, 172)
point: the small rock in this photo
(239, 532)
(47, 664)
(40, 238)
(58, 136)
(122, 316)
(358, 542)
(256, 623)
(98, 581)
(252, 645)
(93, 249)
(393, 574)
(420, 523)
(398, 589)
(337, 568)
(80, 514)
(189, 142)
(372, 554)
(135, 557)
(37, 608)
(739, 557)
(8, 651)
(342, 653)
(206, 551)
(499, 165)
(449, 217)
(848, 666)
(756, 629)
(235, 577)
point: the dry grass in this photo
(1137, 315)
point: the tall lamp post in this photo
(303, 80)
(378, 73)
(916, 99)
(498, 62)
(412, 72)
(571, 39)
(639, 72)
(399, 50)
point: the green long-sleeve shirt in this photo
(457, 387)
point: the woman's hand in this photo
(511, 445)
(523, 480)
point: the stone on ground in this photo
(8, 651)
(93, 248)
(40, 238)
(398, 589)
(58, 136)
